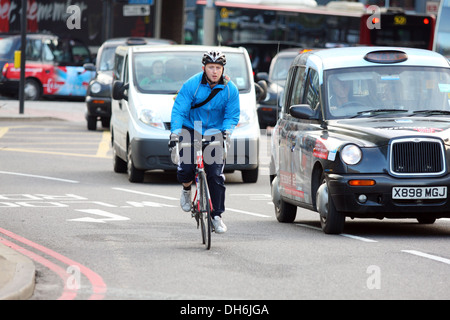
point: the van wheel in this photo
(134, 174)
(32, 90)
(250, 176)
(119, 165)
(331, 220)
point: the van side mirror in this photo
(261, 90)
(118, 90)
(302, 111)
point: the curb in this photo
(18, 275)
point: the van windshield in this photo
(165, 72)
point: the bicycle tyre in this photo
(205, 211)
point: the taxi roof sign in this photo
(386, 56)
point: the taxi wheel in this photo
(105, 122)
(32, 90)
(92, 123)
(250, 176)
(134, 174)
(426, 220)
(331, 220)
(284, 212)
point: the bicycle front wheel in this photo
(205, 211)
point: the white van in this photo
(141, 107)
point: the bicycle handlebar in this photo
(205, 143)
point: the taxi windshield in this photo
(165, 72)
(373, 91)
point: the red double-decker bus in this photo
(336, 24)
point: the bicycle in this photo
(202, 207)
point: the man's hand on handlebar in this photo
(174, 139)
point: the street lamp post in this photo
(209, 23)
(23, 27)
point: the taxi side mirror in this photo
(302, 111)
(89, 66)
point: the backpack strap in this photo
(211, 95)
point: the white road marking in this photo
(342, 234)
(107, 216)
(248, 213)
(146, 194)
(357, 237)
(428, 256)
(40, 177)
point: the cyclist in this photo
(216, 118)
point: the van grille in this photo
(421, 156)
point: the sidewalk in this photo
(43, 110)
(17, 272)
(17, 275)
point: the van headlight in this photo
(151, 118)
(351, 154)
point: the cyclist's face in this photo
(213, 71)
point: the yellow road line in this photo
(103, 146)
(3, 131)
(54, 152)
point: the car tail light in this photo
(5, 69)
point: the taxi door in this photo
(299, 140)
(289, 147)
(305, 145)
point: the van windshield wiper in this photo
(431, 112)
(375, 112)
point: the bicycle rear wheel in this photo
(205, 211)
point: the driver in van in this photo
(218, 117)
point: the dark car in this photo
(363, 132)
(261, 52)
(269, 108)
(98, 97)
(54, 66)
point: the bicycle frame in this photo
(202, 204)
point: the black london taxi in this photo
(363, 133)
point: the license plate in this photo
(419, 192)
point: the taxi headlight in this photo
(151, 118)
(96, 87)
(351, 154)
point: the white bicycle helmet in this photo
(214, 56)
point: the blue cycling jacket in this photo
(220, 113)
